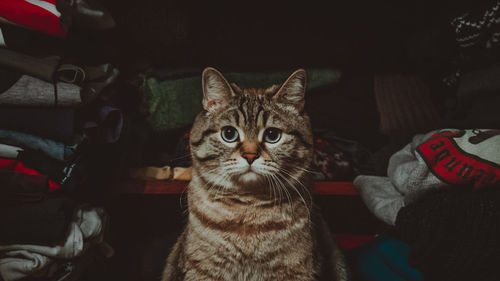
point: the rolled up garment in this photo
(2, 40)
(9, 151)
(16, 265)
(102, 123)
(51, 148)
(86, 228)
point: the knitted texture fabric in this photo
(453, 233)
(478, 29)
(477, 38)
(30, 91)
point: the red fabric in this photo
(14, 165)
(348, 241)
(32, 16)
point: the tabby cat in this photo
(249, 202)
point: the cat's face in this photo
(252, 138)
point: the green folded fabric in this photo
(176, 102)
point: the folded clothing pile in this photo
(52, 110)
(52, 107)
(51, 239)
(44, 233)
(49, 110)
(441, 194)
(439, 159)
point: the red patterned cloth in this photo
(438, 159)
(463, 156)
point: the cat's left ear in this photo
(293, 90)
(216, 89)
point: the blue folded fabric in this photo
(383, 259)
(51, 148)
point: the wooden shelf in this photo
(179, 187)
(335, 188)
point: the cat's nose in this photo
(250, 157)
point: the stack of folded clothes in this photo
(47, 236)
(48, 110)
(53, 104)
(53, 108)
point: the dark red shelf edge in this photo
(179, 187)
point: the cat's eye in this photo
(272, 135)
(229, 134)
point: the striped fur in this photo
(253, 221)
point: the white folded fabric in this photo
(9, 151)
(86, 229)
(15, 265)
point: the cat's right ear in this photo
(293, 90)
(216, 89)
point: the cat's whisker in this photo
(305, 170)
(288, 195)
(220, 180)
(297, 191)
(276, 202)
(187, 155)
(220, 187)
(270, 186)
(183, 194)
(212, 184)
(306, 190)
(217, 186)
(272, 194)
(278, 188)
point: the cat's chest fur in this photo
(248, 259)
(246, 242)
